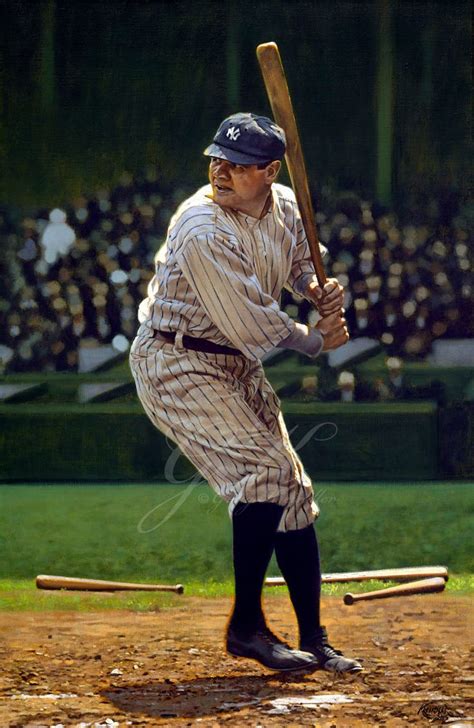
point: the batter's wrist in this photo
(304, 339)
(304, 282)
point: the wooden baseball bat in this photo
(46, 581)
(424, 586)
(402, 574)
(279, 96)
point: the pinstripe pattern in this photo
(226, 419)
(221, 280)
(224, 272)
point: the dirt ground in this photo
(168, 668)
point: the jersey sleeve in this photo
(228, 290)
(302, 269)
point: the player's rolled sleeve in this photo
(229, 292)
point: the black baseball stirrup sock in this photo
(254, 526)
(297, 554)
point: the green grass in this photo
(22, 595)
(170, 534)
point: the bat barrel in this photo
(46, 581)
(423, 586)
(282, 108)
(406, 573)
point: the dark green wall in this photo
(41, 442)
(90, 88)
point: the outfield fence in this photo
(336, 441)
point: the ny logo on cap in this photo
(233, 133)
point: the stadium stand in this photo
(408, 284)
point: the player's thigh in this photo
(204, 410)
(267, 407)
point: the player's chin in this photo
(223, 198)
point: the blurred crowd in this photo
(406, 284)
(82, 293)
(389, 386)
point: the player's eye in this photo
(235, 168)
(239, 168)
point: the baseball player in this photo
(211, 314)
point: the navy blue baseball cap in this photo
(248, 139)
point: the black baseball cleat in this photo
(266, 648)
(328, 658)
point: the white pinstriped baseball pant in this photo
(225, 417)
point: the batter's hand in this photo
(329, 299)
(334, 330)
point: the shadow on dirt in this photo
(207, 696)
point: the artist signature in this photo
(436, 711)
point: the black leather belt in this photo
(191, 342)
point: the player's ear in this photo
(272, 171)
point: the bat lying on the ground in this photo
(424, 586)
(45, 581)
(402, 574)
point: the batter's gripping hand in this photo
(327, 300)
(334, 330)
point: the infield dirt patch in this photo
(169, 668)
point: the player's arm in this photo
(228, 290)
(303, 280)
(329, 333)
(302, 267)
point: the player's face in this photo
(241, 187)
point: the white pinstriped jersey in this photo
(224, 271)
(220, 279)
(226, 419)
